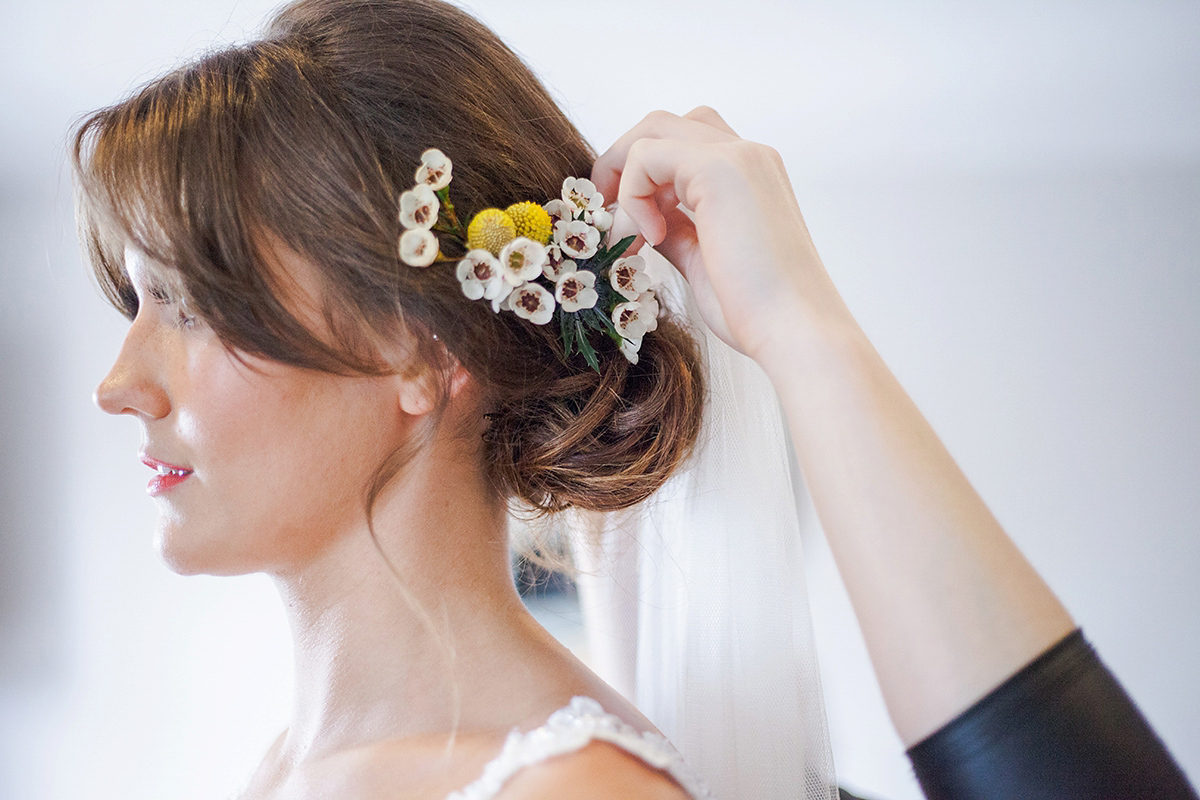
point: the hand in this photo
(747, 255)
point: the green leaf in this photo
(620, 247)
(585, 347)
(592, 323)
(567, 331)
(611, 330)
(606, 257)
(589, 355)
(607, 325)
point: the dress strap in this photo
(570, 729)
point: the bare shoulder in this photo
(598, 771)
(412, 768)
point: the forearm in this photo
(1061, 728)
(948, 606)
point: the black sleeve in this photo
(1061, 728)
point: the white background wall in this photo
(1008, 194)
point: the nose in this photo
(135, 384)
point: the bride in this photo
(371, 313)
(352, 425)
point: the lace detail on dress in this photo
(570, 729)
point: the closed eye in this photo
(162, 296)
(183, 317)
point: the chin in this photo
(192, 555)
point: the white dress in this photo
(569, 729)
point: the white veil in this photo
(694, 600)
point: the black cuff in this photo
(1061, 729)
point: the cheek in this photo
(284, 457)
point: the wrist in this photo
(808, 337)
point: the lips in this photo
(168, 475)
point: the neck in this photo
(417, 628)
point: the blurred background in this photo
(1007, 193)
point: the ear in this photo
(458, 377)
(420, 387)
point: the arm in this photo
(979, 670)
(948, 606)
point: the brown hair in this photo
(311, 133)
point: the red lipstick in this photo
(169, 475)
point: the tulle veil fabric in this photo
(694, 600)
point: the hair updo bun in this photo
(310, 134)
(603, 441)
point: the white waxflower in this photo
(418, 247)
(631, 319)
(434, 170)
(577, 239)
(649, 302)
(557, 264)
(480, 275)
(532, 302)
(501, 300)
(601, 219)
(628, 277)
(521, 260)
(575, 290)
(581, 193)
(629, 348)
(560, 210)
(419, 207)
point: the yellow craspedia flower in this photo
(532, 221)
(490, 230)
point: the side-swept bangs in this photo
(197, 167)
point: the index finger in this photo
(606, 172)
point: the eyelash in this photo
(183, 319)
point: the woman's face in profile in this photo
(268, 463)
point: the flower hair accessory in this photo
(540, 262)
